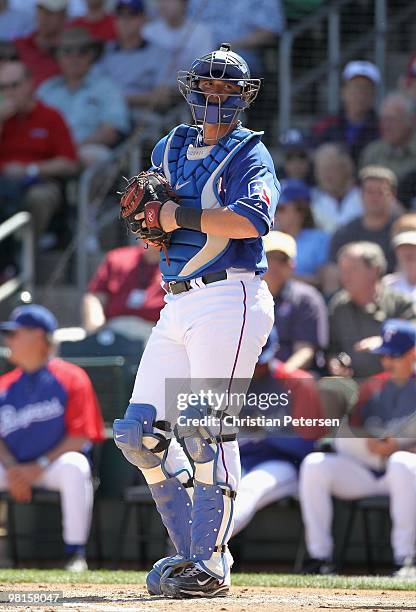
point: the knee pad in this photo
(136, 438)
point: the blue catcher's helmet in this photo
(224, 65)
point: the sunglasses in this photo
(73, 50)
(296, 155)
(11, 85)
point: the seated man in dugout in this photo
(375, 455)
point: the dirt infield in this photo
(132, 598)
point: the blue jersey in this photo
(38, 409)
(237, 172)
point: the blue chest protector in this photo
(195, 173)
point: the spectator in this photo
(13, 23)
(49, 417)
(296, 158)
(336, 199)
(248, 25)
(378, 188)
(136, 65)
(379, 461)
(270, 459)
(357, 124)
(294, 217)
(407, 84)
(37, 50)
(36, 150)
(300, 311)
(92, 105)
(359, 309)
(182, 38)
(396, 148)
(125, 292)
(97, 21)
(404, 280)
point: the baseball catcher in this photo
(210, 196)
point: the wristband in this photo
(189, 218)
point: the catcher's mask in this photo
(223, 65)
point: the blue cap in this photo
(294, 189)
(31, 316)
(270, 348)
(294, 140)
(136, 6)
(398, 337)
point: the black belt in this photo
(176, 287)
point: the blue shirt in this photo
(312, 251)
(97, 101)
(232, 20)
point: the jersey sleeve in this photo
(251, 188)
(82, 412)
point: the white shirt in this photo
(399, 282)
(184, 44)
(330, 213)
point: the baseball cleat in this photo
(192, 581)
(155, 574)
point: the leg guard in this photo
(213, 501)
(135, 436)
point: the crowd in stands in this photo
(76, 77)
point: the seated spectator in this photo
(246, 24)
(270, 459)
(182, 38)
(49, 418)
(37, 50)
(396, 149)
(13, 23)
(93, 106)
(358, 310)
(97, 21)
(357, 124)
(294, 217)
(125, 292)
(378, 189)
(300, 311)
(379, 461)
(404, 279)
(136, 65)
(336, 199)
(297, 163)
(36, 150)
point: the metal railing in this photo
(20, 223)
(337, 55)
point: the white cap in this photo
(53, 5)
(279, 241)
(408, 237)
(363, 69)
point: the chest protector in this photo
(195, 175)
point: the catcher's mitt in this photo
(146, 193)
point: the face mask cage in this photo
(210, 107)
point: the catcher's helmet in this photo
(224, 65)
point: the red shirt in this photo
(36, 136)
(103, 29)
(42, 63)
(131, 284)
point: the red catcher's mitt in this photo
(146, 193)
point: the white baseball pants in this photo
(70, 474)
(323, 475)
(264, 484)
(212, 331)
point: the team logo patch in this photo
(259, 190)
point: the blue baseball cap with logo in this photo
(294, 189)
(134, 6)
(31, 316)
(398, 337)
